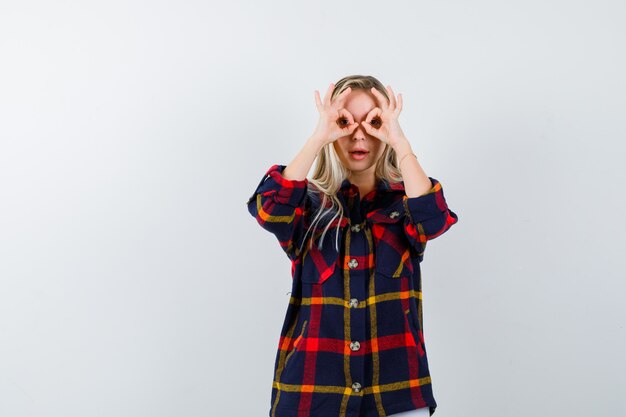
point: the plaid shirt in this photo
(352, 341)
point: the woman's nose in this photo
(359, 132)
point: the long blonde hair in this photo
(329, 172)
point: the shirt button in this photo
(353, 263)
(355, 345)
(354, 303)
(356, 387)
(356, 228)
(394, 214)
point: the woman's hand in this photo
(328, 128)
(388, 130)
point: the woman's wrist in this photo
(407, 155)
(403, 148)
(317, 142)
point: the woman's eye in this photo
(375, 122)
(342, 120)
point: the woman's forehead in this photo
(359, 103)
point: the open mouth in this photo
(359, 155)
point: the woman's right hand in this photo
(335, 121)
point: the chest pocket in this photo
(393, 257)
(318, 265)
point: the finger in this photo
(370, 130)
(349, 129)
(376, 111)
(345, 113)
(382, 100)
(318, 102)
(329, 92)
(392, 97)
(342, 97)
(377, 133)
(399, 108)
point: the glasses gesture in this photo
(328, 127)
(389, 130)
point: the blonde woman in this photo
(352, 341)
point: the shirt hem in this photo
(396, 408)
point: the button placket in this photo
(352, 264)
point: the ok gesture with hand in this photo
(330, 112)
(389, 131)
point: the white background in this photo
(133, 281)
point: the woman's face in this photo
(359, 103)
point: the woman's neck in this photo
(365, 183)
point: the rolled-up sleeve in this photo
(427, 216)
(278, 206)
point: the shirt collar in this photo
(383, 186)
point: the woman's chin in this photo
(358, 166)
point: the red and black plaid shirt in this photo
(352, 341)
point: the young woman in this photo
(352, 341)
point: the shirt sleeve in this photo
(427, 216)
(278, 206)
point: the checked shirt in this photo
(352, 341)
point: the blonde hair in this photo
(329, 172)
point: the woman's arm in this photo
(301, 164)
(427, 213)
(416, 182)
(279, 201)
(326, 131)
(280, 198)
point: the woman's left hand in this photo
(388, 130)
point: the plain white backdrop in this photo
(133, 281)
